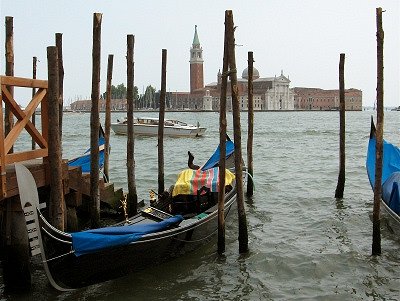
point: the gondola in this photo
(390, 201)
(179, 221)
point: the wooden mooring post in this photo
(95, 123)
(161, 117)
(376, 219)
(222, 146)
(107, 123)
(243, 235)
(8, 115)
(60, 79)
(342, 133)
(57, 214)
(132, 198)
(250, 124)
(34, 68)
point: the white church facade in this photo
(269, 93)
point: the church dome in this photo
(245, 73)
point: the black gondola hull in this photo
(70, 271)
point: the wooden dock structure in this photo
(14, 243)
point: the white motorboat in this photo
(148, 126)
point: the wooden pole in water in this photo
(95, 123)
(243, 235)
(250, 122)
(8, 115)
(56, 185)
(132, 193)
(161, 116)
(107, 124)
(222, 146)
(34, 67)
(342, 147)
(376, 222)
(60, 79)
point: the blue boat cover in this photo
(390, 162)
(390, 172)
(214, 159)
(84, 160)
(390, 192)
(95, 240)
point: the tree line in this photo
(150, 98)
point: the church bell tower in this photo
(196, 64)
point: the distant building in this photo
(270, 93)
(319, 99)
(196, 64)
(86, 105)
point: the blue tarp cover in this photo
(390, 192)
(95, 240)
(390, 162)
(390, 172)
(214, 159)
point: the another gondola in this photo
(390, 202)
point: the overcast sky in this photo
(302, 38)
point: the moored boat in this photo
(390, 201)
(148, 126)
(180, 221)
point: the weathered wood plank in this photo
(23, 82)
(24, 156)
(39, 171)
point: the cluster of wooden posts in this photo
(52, 147)
(229, 69)
(50, 95)
(376, 224)
(52, 171)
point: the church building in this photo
(269, 93)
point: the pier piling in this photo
(250, 124)
(243, 235)
(132, 197)
(57, 216)
(95, 123)
(376, 219)
(60, 79)
(342, 133)
(161, 117)
(222, 146)
(34, 68)
(8, 115)
(107, 123)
